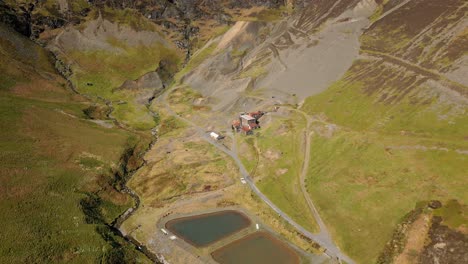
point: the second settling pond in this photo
(257, 248)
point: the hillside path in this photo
(432, 73)
(305, 168)
(323, 239)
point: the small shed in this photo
(214, 135)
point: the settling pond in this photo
(205, 229)
(257, 248)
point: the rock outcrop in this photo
(145, 88)
(33, 18)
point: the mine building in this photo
(247, 122)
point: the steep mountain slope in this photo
(102, 44)
(378, 89)
(402, 108)
(103, 55)
(57, 196)
(432, 35)
(280, 59)
(188, 23)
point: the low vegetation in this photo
(250, 156)
(128, 17)
(100, 73)
(410, 33)
(57, 167)
(358, 167)
(253, 72)
(454, 214)
(260, 14)
(401, 141)
(361, 173)
(186, 101)
(280, 155)
(187, 166)
(429, 224)
(379, 98)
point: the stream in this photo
(125, 177)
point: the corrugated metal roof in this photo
(247, 117)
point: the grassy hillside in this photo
(424, 32)
(56, 179)
(388, 157)
(99, 73)
(116, 46)
(388, 98)
(363, 187)
(279, 167)
(402, 131)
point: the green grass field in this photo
(250, 156)
(397, 146)
(362, 189)
(279, 168)
(453, 213)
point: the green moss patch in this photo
(453, 213)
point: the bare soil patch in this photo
(416, 238)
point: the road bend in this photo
(323, 239)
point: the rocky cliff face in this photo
(32, 18)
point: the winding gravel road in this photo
(322, 238)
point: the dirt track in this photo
(323, 239)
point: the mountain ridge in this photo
(376, 89)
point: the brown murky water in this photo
(257, 248)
